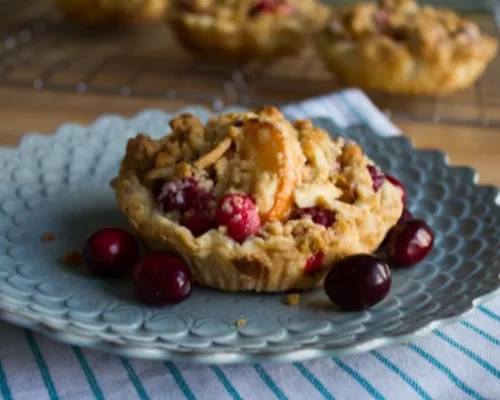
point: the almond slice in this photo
(213, 155)
(159, 173)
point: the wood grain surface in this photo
(28, 111)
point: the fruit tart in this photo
(245, 30)
(253, 202)
(400, 47)
(106, 13)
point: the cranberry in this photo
(111, 252)
(157, 187)
(406, 215)
(197, 221)
(240, 215)
(358, 282)
(262, 6)
(161, 278)
(318, 215)
(183, 195)
(313, 263)
(409, 242)
(377, 175)
(398, 184)
(381, 17)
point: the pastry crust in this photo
(236, 31)
(330, 174)
(399, 47)
(104, 13)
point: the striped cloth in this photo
(461, 361)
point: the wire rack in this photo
(39, 51)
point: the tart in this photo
(104, 13)
(400, 47)
(245, 30)
(253, 202)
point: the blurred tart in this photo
(400, 47)
(104, 13)
(247, 29)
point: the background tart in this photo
(254, 202)
(245, 30)
(398, 46)
(103, 13)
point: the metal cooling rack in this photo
(39, 51)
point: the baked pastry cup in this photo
(108, 13)
(240, 31)
(397, 46)
(299, 199)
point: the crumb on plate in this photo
(241, 323)
(72, 258)
(48, 237)
(292, 299)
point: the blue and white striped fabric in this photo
(461, 361)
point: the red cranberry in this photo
(183, 195)
(161, 278)
(285, 8)
(358, 282)
(111, 252)
(197, 221)
(398, 184)
(406, 215)
(262, 6)
(377, 175)
(381, 17)
(318, 215)
(240, 215)
(409, 242)
(313, 263)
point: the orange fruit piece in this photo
(270, 150)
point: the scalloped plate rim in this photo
(221, 356)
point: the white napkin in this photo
(461, 361)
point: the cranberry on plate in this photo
(239, 214)
(409, 242)
(161, 278)
(111, 252)
(358, 282)
(406, 215)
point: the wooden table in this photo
(29, 111)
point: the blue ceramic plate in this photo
(60, 184)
